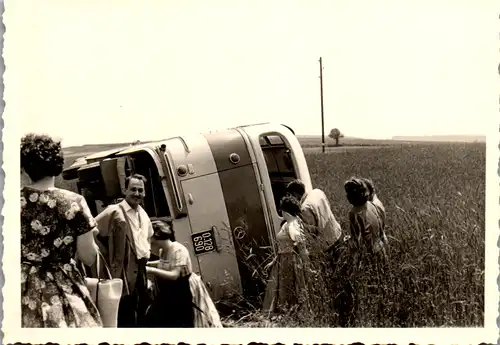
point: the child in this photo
(287, 286)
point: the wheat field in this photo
(434, 196)
(435, 201)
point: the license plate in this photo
(203, 242)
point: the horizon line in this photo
(395, 138)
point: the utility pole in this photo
(322, 114)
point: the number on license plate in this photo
(203, 242)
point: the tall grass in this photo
(434, 198)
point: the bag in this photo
(105, 293)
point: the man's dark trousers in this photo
(132, 307)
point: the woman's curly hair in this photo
(290, 205)
(41, 156)
(371, 188)
(357, 191)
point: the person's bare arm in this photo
(162, 274)
(86, 248)
(103, 221)
(153, 263)
(85, 226)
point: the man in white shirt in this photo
(128, 230)
(317, 216)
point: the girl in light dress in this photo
(287, 288)
(182, 299)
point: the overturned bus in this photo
(221, 190)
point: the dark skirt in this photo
(173, 305)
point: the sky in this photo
(102, 72)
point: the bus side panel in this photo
(246, 216)
(223, 144)
(244, 207)
(206, 210)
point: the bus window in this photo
(103, 184)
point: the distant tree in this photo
(137, 142)
(335, 134)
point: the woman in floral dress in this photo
(182, 299)
(56, 227)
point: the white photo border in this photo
(10, 276)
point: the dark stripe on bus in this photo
(244, 208)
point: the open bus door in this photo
(278, 150)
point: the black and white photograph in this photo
(262, 171)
